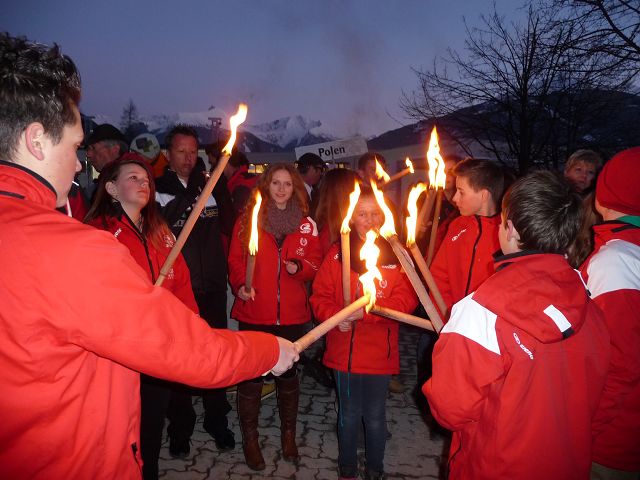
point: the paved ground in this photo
(413, 452)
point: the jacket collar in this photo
(615, 229)
(502, 261)
(20, 182)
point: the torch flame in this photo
(253, 238)
(388, 228)
(370, 253)
(234, 122)
(409, 165)
(353, 200)
(412, 207)
(380, 173)
(437, 176)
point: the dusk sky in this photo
(343, 62)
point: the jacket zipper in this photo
(473, 255)
(146, 251)
(353, 332)
(278, 296)
(146, 248)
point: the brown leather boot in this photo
(288, 393)
(248, 412)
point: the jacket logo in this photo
(300, 251)
(305, 228)
(304, 241)
(524, 349)
(457, 236)
(383, 283)
(117, 232)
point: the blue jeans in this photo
(361, 397)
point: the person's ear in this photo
(34, 139)
(111, 189)
(512, 233)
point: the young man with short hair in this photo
(465, 257)
(71, 350)
(519, 368)
(612, 273)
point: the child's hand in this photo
(291, 267)
(357, 315)
(345, 325)
(245, 295)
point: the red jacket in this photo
(281, 298)
(465, 257)
(77, 202)
(518, 372)
(151, 259)
(613, 278)
(371, 346)
(242, 178)
(70, 350)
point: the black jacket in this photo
(203, 250)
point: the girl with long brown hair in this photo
(125, 206)
(288, 256)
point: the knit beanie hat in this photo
(618, 184)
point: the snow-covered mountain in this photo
(281, 134)
(164, 121)
(291, 132)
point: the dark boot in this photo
(288, 393)
(248, 412)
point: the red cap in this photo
(618, 186)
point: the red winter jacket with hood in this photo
(79, 320)
(613, 278)
(281, 298)
(371, 346)
(465, 257)
(518, 372)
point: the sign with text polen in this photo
(352, 147)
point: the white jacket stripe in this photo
(615, 267)
(558, 318)
(475, 322)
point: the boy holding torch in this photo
(71, 357)
(465, 257)
(363, 350)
